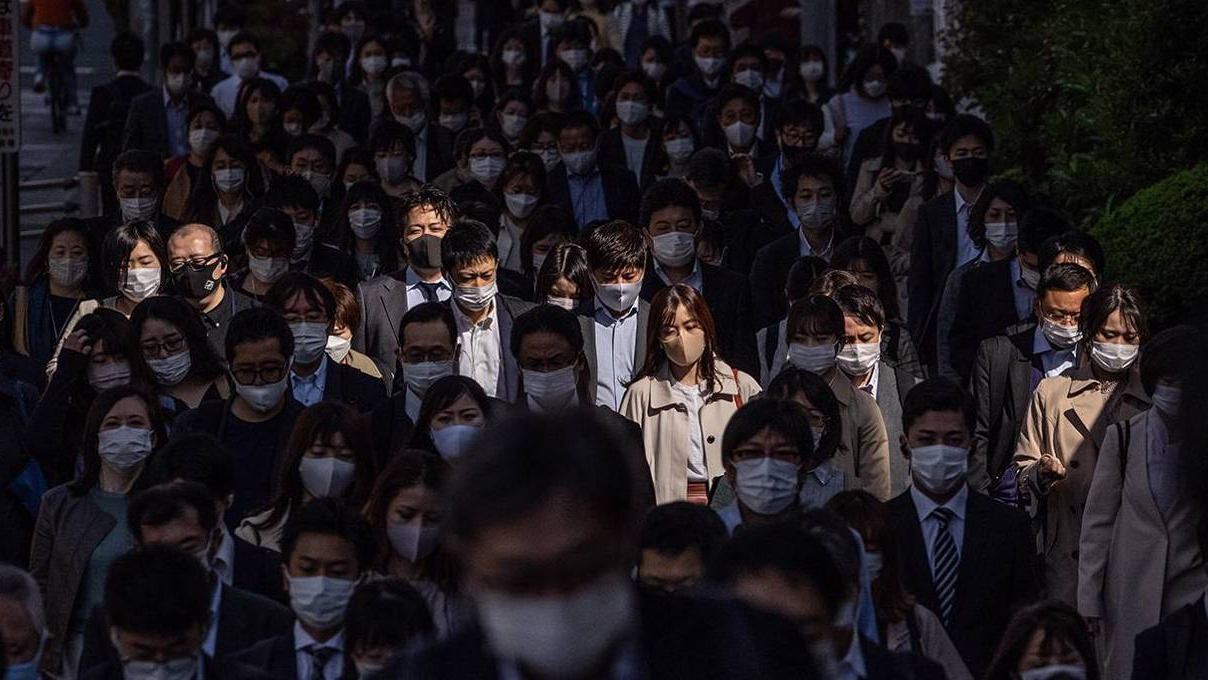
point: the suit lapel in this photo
(947, 237)
(507, 384)
(915, 550)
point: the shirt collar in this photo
(319, 373)
(1040, 344)
(824, 472)
(603, 311)
(303, 640)
(464, 323)
(224, 557)
(925, 506)
(854, 659)
(807, 249)
(412, 279)
(691, 279)
(121, 73)
(960, 200)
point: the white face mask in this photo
(558, 636)
(632, 112)
(874, 88)
(415, 121)
(550, 20)
(392, 169)
(318, 181)
(709, 66)
(1030, 277)
(1060, 335)
(898, 53)
(414, 543)
(1167, 399)
(1002, 235)
(1112, 357)
(816, 214)
(453, 122)
(173, 369)
(675, 248)
(873, 562)
(656, 70)
(551, 390)
(575, 59)
(750, 78)
(124, 447)
(765, 484)
(326, 477)
(201, 140)
(175, 83)
(365, 222)
(138, 208)
(320, 601)
(229, 180)
(262, 398)
(939, 468)
(310, 340)
(267, 269)
(224, 38)
(1055, 672)
(858, 358)
(183, 668)
(486, 169)
(338, 348)
(475, 298)
(680, 149)
(112, 374)
(580, 162)
(453, 442)
(67, 271)
(513, 57)
(539, 260)
(420, 376)
(520, 206)
(205, 57)
(374, 65)
(569, 304)
(512, 125)
(943, 168)
(140, 284)
(619, 297)
(550, 157)
(247, 67)
(813, 358)
(304, 238)
(740, 134)
(811, 70)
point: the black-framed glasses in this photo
(196, 265)
(170, 345)
(267, 374)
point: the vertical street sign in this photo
(10, 128)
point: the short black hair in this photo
(310, 140)
(452, 87)
(1066, 277)
(966, 125)
(547, 319)
(137, 160)
(786, 548)
(747, 50)
(331, 517)
(127, 50)
(272, 225)
(197, 457)
(120, 241)
(802, 274)
(801, 112)
(786, 418)
(637, 76)
(895, 33)
(709, 28)
(708, 167)
(862, 303)
(1039, 225)
(672, 528)
(1100, 304)
(388, 132)
(158, 589)
(1167, 355)
(616, 244)
(1077, 243)
(465, 242)
(244, 37)
(167, 502)
(578, 119)
(941, 395)
(300, 283)
(524, 458)
(387, 613)
(815, 313)
(817, 166)
(291, 191)
(909, 82)
(665, 193)
(733, 91)
(305, 99)
(428, 197)
(793, 381)
(425, 313)
(176, 49)
(254, 325)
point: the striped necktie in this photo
(945, 561)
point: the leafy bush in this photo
(1157, 242)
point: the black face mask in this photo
(971, 171)
(424, 252)
(197, 281)
(907, 151)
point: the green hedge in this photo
(1158, 241)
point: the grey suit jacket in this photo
(893, 383)
(509, 371)
(1002, 388)
(147, 121)
(383, 302)
(588, 325)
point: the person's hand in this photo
(1051, 469)
(886, 178)
(1093, 625)
(78, 341)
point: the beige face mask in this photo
(686, 348)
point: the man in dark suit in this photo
(1174, 649)
(742, 229)
(182, 514)
(998, 298)
(969, 559)
(105, 122)
(796, 133)
(138, 181)
(587, 189)
(634, 94)
(327, 548)
(692, 94)
(545, 492)
(330, 54)
(941, 235)
(814, 187)
(425, 217)
(156, 121)
(538, 35)
(1008, 368)
(670, 214)
(408, 98)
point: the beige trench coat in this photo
(1067, 419)
(1135, 567)
(863, 454)
(651, 404)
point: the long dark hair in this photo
(440, 396)
(868, 517)
(121, 241)
(36, 268)
(792, 381)
(321, 421)
(203, 197)
(662, 313)
(101, 406)
(1059, 622)
(409, 468)
(205, 362)
(866, 250)
(1100, 304)
(387, 239)
(568, 260)
(917, 122)
(1006, 190)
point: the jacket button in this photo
(1074, 464)
(710, 439)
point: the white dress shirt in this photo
(223, 564)
(415, 294)
(851, 666)
(616, 341)
(693, 400)
(931, 525)
(303, 642)
(481, 350)
(1025, 296)
(1054, 361)
(309, 390)
(966, 250)
(635, 154)
(807, 249)
(695, 280)
(871, 387)
(211, 642)
(225, 92)
(411, 404)
(225, 215)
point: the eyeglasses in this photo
(170, 345)
(196, 264)
(267, 374)
(1060, 317)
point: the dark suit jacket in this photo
(147, 122)
(587, 324)
(745, 232)
(612, 152)
(353, 387)
(883, 664)
(355, 112)
(932, 259)
(390, 426)
(243, 620)
(100, 225)
(996, 573)
(101, 137)
(274, 657)
(621, 196)
(1174, 649)
(768, 276)
(112, 670)
(383, 302)
(728, 295)
(690, 96)
(681, 637)
(258, 571)
(985, 308)
(1002, 387)
(440, 151)
(771, 209)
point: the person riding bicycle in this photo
(55, 28)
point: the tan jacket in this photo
(1067, 419)
(867, 207)
(863, 454)
(651, 404)
(362, 363)
(176, 196)
(1135, 567)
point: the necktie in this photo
(428, 290)
(945, 562)
(319, 656)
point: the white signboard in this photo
(10, 77)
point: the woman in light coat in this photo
(1066, 422)
(889, 189)
(1139, 559)
(683, 396)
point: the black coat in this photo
(353, 387)
(147, 122)
(612, 152)
(111, 670)
(1002, 388)
(272, 657)
(355, 112)
(728, 296)
(985, 308)
(744, 232)
(769, 273)
(621, 196)
(996, 573)
(383, 302)
(1174, 649)
(932, 259)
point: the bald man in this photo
(198, 269)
